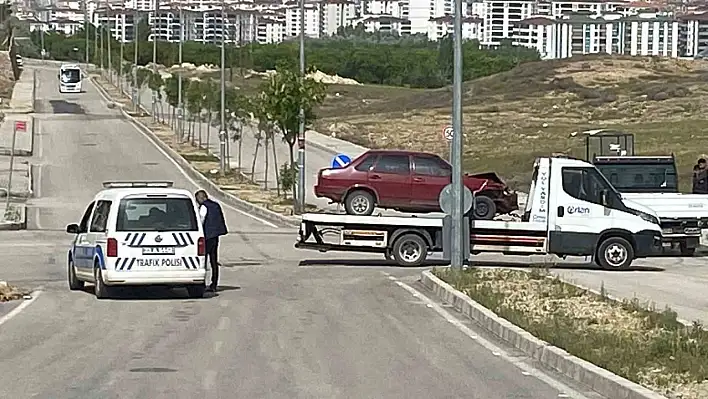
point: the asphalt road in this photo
(277, 330)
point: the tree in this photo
(141, 77)
(282, 97)
(211, 105)
(171, 91)
(195, 103)
(156, 83)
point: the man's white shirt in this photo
(202, 213)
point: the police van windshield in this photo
(156, 214)
(70, 76)
(641, 178)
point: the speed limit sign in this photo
(448, 132)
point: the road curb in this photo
(213, 189)
(19, 225)
(598, 379)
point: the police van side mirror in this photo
(605, 197)
(72, 228)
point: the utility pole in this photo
(155, 20)
(86, 32)
(122, 58)
(135, 60)
(154, 34)
(101, 35)
(41, 35)
(222, 132)
(457, 214)
(180, 109)
(301, 132)
(108, 39)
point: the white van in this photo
(70, 77)
(138, 234)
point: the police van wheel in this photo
(410, 250)
(614, 253)
(74, 283)
(100, 289)
(196, 291)
(686, 250)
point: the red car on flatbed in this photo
(408, 182)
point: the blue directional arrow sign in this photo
(340, 161)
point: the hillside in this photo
(513, 117)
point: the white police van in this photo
(70, 77)
(137, 234)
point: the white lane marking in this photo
(184, 174)
(14, 312)
(224, 323)
(217, 347)
(496, 351)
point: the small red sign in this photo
(21, 126)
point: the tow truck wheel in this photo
(100, 288)
(74, 283)
(410, 250)
(360, 203)
(614, 253)
(484, 208)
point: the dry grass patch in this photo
(10, 293)
(513, 117)
(634, 341)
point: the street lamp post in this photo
(108, 40)
(457, 248)
(301, 131)
(155, 18)
(222, 132)
(86, 32)
(180, 107)
(135, 61)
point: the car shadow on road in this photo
(156, 293)
(433, 263)
(364, 263)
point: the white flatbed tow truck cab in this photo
(70, 77)
(572, 210)
(138, 234)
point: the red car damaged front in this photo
(408, 182)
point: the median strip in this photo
(646, 346)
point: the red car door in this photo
(430, 175)
(391, 178)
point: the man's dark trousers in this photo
(212, 251)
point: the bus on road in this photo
(70, 78)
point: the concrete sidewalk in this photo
(21, 178)
(24, 141)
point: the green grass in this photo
(628, 338)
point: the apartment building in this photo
(66, 17)
(472, 28)
(644, 34)
(693, 34)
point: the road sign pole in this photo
(457, 257)
(12, 166)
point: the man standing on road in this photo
(700, 177)
(212, 218)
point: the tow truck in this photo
(572, 211)
(651, 180)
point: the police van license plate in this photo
(158, 251)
